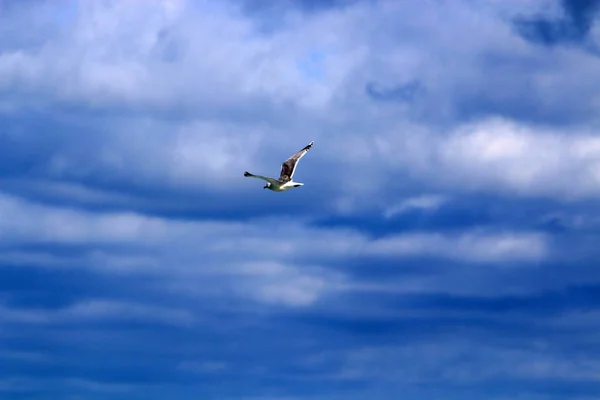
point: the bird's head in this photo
(267, 185)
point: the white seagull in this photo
(288, 168)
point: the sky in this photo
(443, 246)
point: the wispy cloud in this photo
(99, 310)
(425, 202)
(481, 247)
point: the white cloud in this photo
(425, 202)
(285, 283)
(270, 261)
(21, 221)
(523, 160)
(478, 247)
(232, 90)
(500, 156)
(160, 55)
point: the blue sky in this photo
(444, 245)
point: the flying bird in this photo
(288, 168)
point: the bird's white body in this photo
(288, 168)
(278, 187)
(275, 184)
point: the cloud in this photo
(447, 222)
(277, 263)
(99, 310)
(30, 222)
(573, 27)
(366, 363)
(501, 156)
(151, 132)
(469, 247)
(101, 64)
(425, 202)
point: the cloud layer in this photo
(443, 245)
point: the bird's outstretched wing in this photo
(264, 178)
(289, 166)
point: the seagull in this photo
(288, 168)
